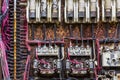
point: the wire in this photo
(26, 67)
(71, 78)
(3, 9)
(4, 63)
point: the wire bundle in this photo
(16, 68)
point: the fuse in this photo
(87, 10)
(43, 8)
(32, 12)
(70, 8)
(93, 8)
(55, 9)
(68, 64)
(59, 64)
(81, 8)
(69, 11)
(35, 64)
(108, 8)
(118, 8)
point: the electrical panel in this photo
(60, 39)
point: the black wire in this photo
(44, 31)
(116, 32)
(32, 32)
(93, 36)
(55, 36)
(119, 31)
(71, 34)
(81, 32)
(106, 31)
(71, 78)
(76, 41)
(50, 42)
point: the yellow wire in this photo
(15, 44)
